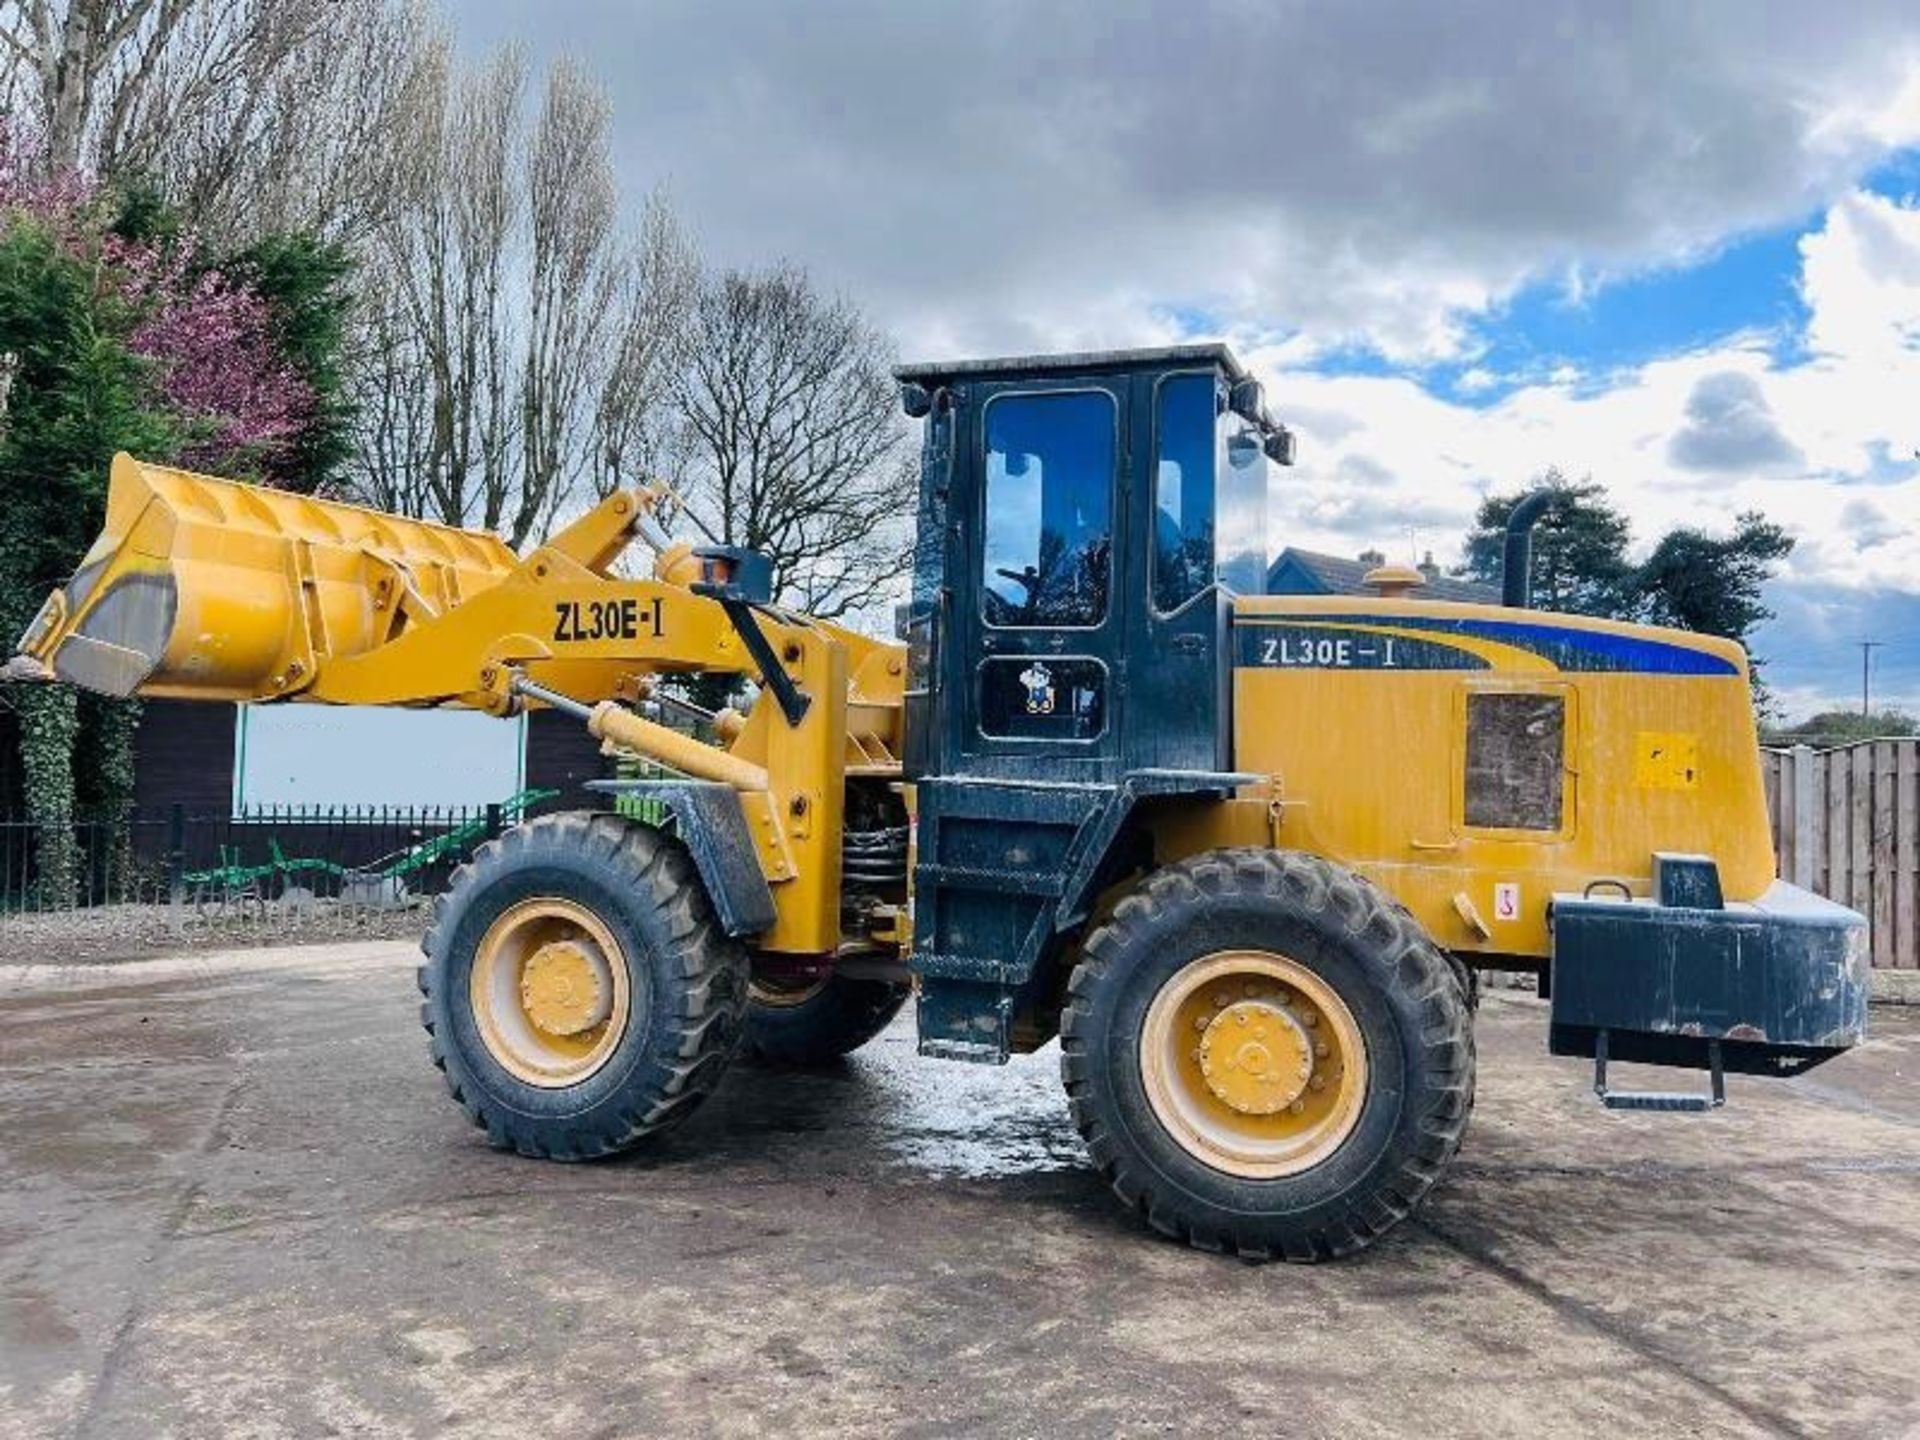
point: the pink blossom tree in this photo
(215, 371)
(235, 400)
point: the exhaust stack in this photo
(1516, 559)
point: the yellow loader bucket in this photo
(210, 590)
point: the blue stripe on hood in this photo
(1569, 648)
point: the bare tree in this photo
(632, 429)
(790, 436)
(253, 115)
(535, 325)
(393, 411)
(77, 65)
(441, 259)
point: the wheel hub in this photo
(1253, 1063)
(566, 988)
(1255, 1056)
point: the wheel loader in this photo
(1243, 855)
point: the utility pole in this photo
(1867, 647)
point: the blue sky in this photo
(1602, 324)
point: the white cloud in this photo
(1888, 120)
(1861, 279)
(1798, 441)
(1012, 177)
(1730, 429)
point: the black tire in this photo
(820, 1025)
(1403, 994)
(686, 979)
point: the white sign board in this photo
(326, 755)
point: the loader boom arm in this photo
(206, 589)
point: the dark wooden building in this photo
(185, 753)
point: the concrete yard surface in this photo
(236, 1200)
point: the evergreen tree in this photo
(305, 284)
(1695, 582)
(1580, 563)
(75, 397)
(118, 333)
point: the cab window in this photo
(1183, 490)
(1241, 544)
(1047, 557)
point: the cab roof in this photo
(1079, 362)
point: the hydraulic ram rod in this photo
(608, 721)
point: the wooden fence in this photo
(1846, 823)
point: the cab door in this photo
(1180, 703)
(1041, 624)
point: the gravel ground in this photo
(235, 1200)
(103, 934)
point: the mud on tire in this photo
(686, 982)
(1403, 995)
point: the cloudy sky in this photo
(1673, 246)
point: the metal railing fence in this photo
(282, 857)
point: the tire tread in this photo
(1404, 958)
(707, 1018)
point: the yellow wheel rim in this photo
(1253, 1064)
(550, 992)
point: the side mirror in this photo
(1280, 447)
(1243, 450)
(1245, 400)
(915, 400)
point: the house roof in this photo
(1305, 572)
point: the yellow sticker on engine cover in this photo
(1666, 760)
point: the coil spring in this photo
(875, 857)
